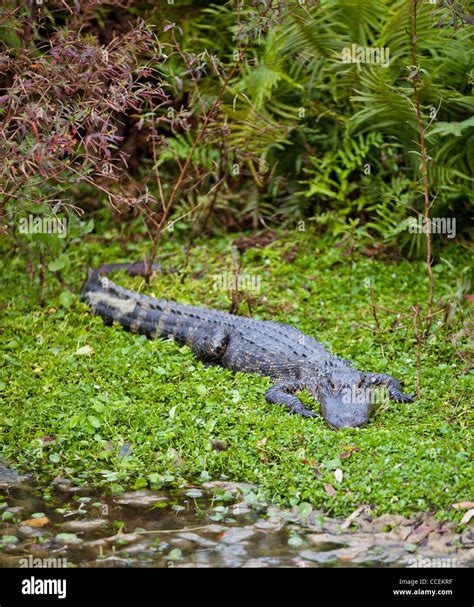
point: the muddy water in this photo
(209, 526)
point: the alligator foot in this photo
(393, 386)
(399, 396)
(282, 394)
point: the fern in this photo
(318, 122)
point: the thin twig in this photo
(376, 318)
(424, 157)
(174, 530)
(419, 340)
(234, 287)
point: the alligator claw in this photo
(399, 397)
(304, 412)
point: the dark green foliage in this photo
(299, 132)
(318, 121)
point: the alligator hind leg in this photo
(394, 387)
(282, 394)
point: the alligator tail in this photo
(92, 282)
(112, 303)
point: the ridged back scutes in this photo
(282, 340)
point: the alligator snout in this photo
(342, 412)
(357, 418)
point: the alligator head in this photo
(345, 399)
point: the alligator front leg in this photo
(393, 386)
(282, 394)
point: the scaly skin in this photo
(293, 360)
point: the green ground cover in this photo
(112, 409)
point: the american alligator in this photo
(293, 360)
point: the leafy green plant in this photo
(339, 116)
(45, 237)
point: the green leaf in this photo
(58, 264)
(451, 128)
(94, 421)
(9, 539)
(175, 554)
(86, 227)
(193, 493)
(305, 509)
(332, 464)
(7, 516)
(140, 483)
(66, 298)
